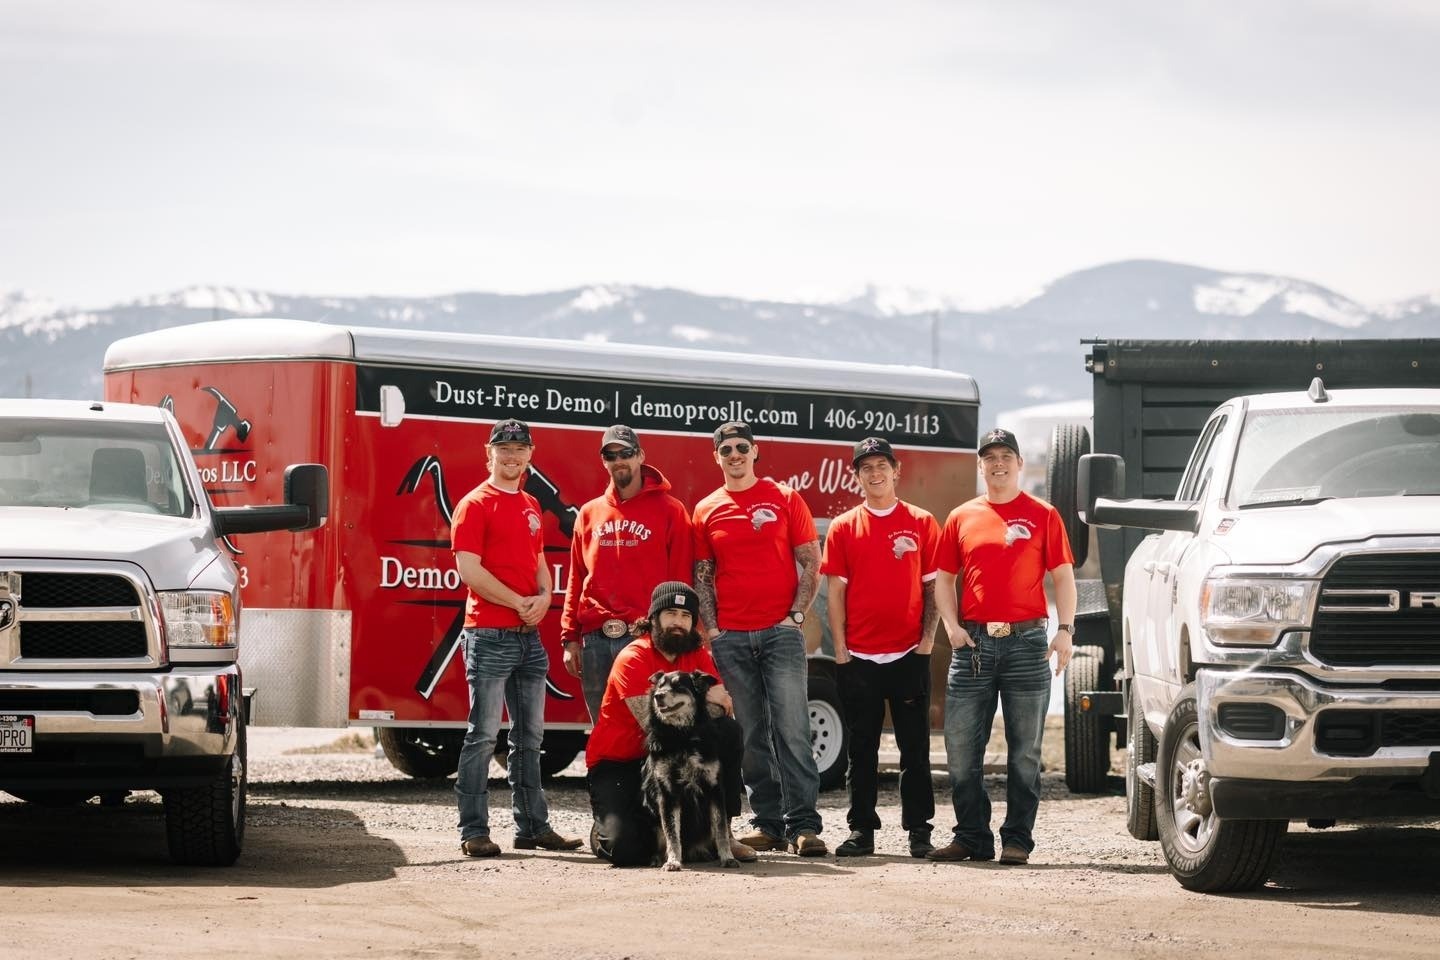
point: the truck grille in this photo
(82, 640)
(1359, 733)
(50, 590)
(1399, 625)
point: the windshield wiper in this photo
(1289, 502)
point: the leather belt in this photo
(1003, 628)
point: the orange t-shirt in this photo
(752, 535)
(503, 530)
(617, 734)
(1001, 552)
(883, 561)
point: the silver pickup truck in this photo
(1281, 628)
(119, 615)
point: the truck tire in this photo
(1068, 443)
(1087, 736)
(829, 741)
(205, 826)
(426, 753)
(558, 750)
(1139, 798)
(1205, 853)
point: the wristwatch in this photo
(797, 617)
(1067, 627)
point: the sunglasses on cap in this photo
(740, 448)
(624, 453)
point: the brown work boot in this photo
(806, 844)
(1014, 854)
(480, 847)
(954, 852)
(760, 840)
(742, 852)
(549, 840)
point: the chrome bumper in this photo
(1295, 757)
(186, 724)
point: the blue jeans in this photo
(506, 668)
(1014, 671)
(766, 675)
(597, 656)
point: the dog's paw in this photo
(729, 862)
(671, 866)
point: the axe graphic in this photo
(226, 417)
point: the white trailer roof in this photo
(255, 339)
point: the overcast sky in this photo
(975, 149)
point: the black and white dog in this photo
(681, 776)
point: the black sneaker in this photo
(861, 843)
(920, 845)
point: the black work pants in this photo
(626, 832)
(865, 689)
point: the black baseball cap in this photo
(731, 431)
(999, 437)
(511, 431)
(872, 447)
(622, 435)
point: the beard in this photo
(676, 640)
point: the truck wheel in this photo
(1139, 799)
(828, 738)
(1087, 736)
(205, 826)
(1068, 443)
(1205, 853)
(425, 753)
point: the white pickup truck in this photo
(119, 617)
(1281, 633)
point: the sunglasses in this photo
(625, 453)
(740, 448)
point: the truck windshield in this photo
(1304, 455)
(88, 465)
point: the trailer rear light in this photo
(198, 619)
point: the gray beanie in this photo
(674, 594)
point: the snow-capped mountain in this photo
(1023, 354)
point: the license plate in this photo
(17, 733)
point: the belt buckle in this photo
(997, 628)
(613, 628)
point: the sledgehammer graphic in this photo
(226, 417)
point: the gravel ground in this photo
(344, 857)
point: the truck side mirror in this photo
(1100, 475)
(307, 504)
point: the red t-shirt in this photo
(1002, 551)
(617, 734)
(620, 550)
(752, 535)
(883, 561)
(503, 530)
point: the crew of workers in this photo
(751, 551)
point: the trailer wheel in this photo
(1205, 853)
(1139, 798)
(558, 750)
(1068, 443)
(1087, 737)
(425, 753)
(205, 826)
(828, 738)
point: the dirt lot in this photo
(345, 858)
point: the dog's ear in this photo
(703, 681)
(655, 677)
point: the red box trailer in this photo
(359, 624)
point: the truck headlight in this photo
(198, 619)
(1254, 612)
